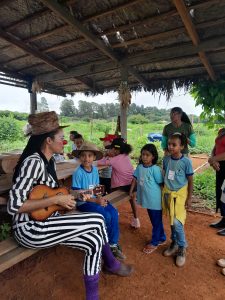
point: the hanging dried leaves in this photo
(37, 86)
(124, 94)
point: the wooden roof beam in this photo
(4, 3)
(29, 50)
(32, 51)
(156, 36)
(186, 19)
(145, 57)
(165, 34)
(28, 19)
(106, 32)
(63, 13)
(110, 30)
(112, 10)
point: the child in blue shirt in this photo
(86, 177)
(177, 193)
(148, 177)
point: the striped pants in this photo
(84, 231)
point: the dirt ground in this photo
(57, 273)
(199, 162)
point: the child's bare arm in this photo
(190, 190)
(133, 184)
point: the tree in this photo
(43, 105)
(211, 96)
(67, 108)
(84, 109)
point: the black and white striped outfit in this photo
(85, 231)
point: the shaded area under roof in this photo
(81, 45)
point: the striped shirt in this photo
(33, 172)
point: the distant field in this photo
(137, 135)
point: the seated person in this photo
(73, 133)
(77, 230)
(86, 177)
(78, 141)
(106, 173)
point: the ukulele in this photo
(44, 191)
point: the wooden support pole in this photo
(123, 109)
(33, 102)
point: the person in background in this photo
(179, 123)
(84, 231)
(73, 133)
(105, 174)
(122, 172)
(78, 141)
(177, 194)
(217, 161)
(148, 178)
(86, 177)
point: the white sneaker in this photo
(135, 223)
(221, 262)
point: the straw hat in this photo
(88, 147)
(44, 122)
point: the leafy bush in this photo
(138, 119)
(5, 230)
(102, 127)
(9, 129)
(211, 96)
(17, 115)
(204, 187)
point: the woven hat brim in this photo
(98, 154)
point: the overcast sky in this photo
(18, 99)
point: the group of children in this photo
(168, 190)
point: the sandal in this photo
(148, 249)
(161, 243)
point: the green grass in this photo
(137, 135)
(205, 187)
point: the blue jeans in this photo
(158, 234)
(178, 234)
(110, 215)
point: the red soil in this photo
(57, 273)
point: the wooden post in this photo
(123, 110)
(33, 102)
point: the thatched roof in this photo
(82, 45)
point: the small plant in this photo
(5, 230)
(205, 186)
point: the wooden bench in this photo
(11, 253)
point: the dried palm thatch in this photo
(37, 86)
(147, 37)
(124, 94)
